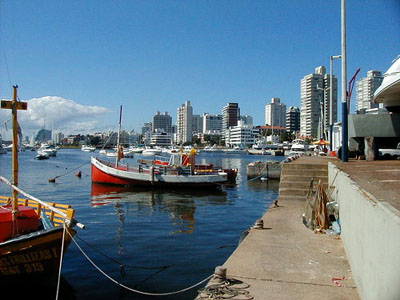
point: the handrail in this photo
(71, 221)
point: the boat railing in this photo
(55, 217)
(58, 213)
(146, 168)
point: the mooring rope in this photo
(228, 288)
(61, 261)
(131, 289)
(122, 266)
(54, 178)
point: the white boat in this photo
(213, 148)
(299, 146)
(86, 148)
(49, 149)
(151, 151)
(388, 92)
(136, 149)
(42, 155)
(235, 150)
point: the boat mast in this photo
(14, 105)
(15, 152)
(118, 136)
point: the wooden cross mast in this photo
(14, 105)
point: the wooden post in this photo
(14, 106)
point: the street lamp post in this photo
(345, 157)
(331, 101)
(323, 108)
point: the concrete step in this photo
(303, 179)
(304, 172)
(300, 185)
(292, 191)
(291, 166)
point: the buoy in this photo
(52, 180)
(79, 174)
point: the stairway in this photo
(296, 176)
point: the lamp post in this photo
(323, 108)
(344, 87)
(331, 101)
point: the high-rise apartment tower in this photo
(315, 103)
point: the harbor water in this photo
(154, 241)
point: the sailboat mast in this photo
(118, 136)
(15, 152)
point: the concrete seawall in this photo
(370, 225)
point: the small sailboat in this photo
(34, 235)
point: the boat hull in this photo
(102, 173)
(34, 254)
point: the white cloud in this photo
(61, 114)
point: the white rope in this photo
(133, 290)
(61, 262)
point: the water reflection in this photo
(180, 205)
(260, 185)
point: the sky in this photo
(76, 62)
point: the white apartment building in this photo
(212, 123)
(184, 123)
(365, 89)
(162, 139)
(241, 135)
(315, 103)
(275, 113)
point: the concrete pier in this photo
(286, 260)
(268, 169)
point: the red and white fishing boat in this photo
(160, 174)
(177, 171)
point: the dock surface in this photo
(286, 260)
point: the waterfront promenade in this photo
(286, 260)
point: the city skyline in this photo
(86, 59)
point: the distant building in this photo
(230, 115)
(184, 123)
(275, 113)
(315, 103)
(212, 123)
(147, 127)
(163, 122)
(162, 139)
(293, 119)
(58, 137)
(246, 119)
(43, 136)
(241, 135)
(197, 124)
(365, 89)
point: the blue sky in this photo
(154, 55)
